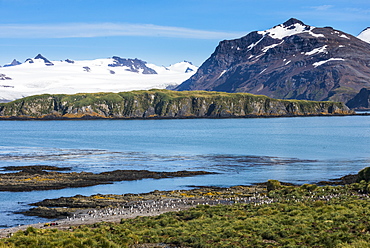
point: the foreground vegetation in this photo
(296, 216)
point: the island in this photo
(163, 104)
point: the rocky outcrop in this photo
(40, 57)
(133, 65)
(40, 178)
(78, 204)
(290, 61)
(69, 61)
(163, 104)
(14, 63)
(46, 61)
(4, 77)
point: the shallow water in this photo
(242, 151)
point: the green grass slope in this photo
(296, 216)
(163, 104)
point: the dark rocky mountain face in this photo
(14, 63)
(46, 61)
(188, 70)
(289, 61)
(134, 65)
(361, 100)
(39, 56)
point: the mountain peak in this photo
(46, 61)
(39, 56)
(290, 27)
(291, 60)
(293, 21)
(14, 63)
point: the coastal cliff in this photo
(162, 104)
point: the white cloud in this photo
(322, 7)
(79, 30)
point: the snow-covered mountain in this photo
(40, 75)
(289, 61)
(365, 35)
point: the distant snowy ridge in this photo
(40, 75)
(365, 35)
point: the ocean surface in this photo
(243, 151)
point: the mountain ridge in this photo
(40, 75)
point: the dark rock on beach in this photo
(39, 178)
(348, 179)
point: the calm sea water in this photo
(243, 151)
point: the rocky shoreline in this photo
(67, 207)
(81, 210)
(92, 117)
(36, 177)
(68, 212)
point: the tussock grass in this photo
(301, 216)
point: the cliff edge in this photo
(162, 104)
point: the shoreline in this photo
(83, 219)
(39, 177)
(89, 117)
(156, 203)
(114, 208)
(153, 204)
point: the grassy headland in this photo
(162, 104)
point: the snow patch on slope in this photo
(325, 61)
(265, 49)
(317, 50)
(256, 43)
(222, 73)
(281, 31)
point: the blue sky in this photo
(158, 31)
